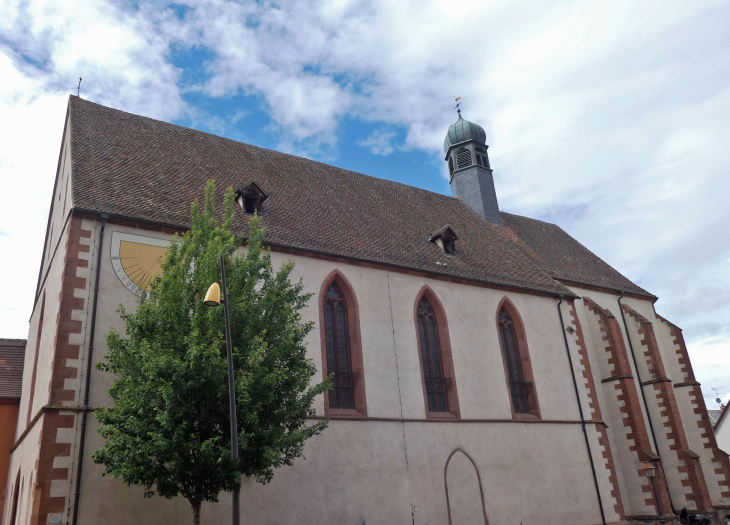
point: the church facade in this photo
(488, 367)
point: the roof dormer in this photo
(444, 238)
(250, 197)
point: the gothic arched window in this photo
(341, 348)
(517, 363)
(16, 494)
(433, 376)
(338, 348)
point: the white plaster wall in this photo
(722, 435)
(471, 316)
(356, 470)
(547, 482)
(22, 459)
(671, 462)
(595, 347)
(671, 362)
(625, 460)
(51, 287)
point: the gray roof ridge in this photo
(13, 342)
(531, 219)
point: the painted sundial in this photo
(137, 260)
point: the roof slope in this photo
(12, 356)
(149, 170)
(565, 258)
(714, 416)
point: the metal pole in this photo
(236, 511)
(580, 411)
(656, 498)
(89, 364)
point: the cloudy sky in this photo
(606, 118)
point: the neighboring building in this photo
(491, 367)
(12, 355)
(722, 430)
(714, 415)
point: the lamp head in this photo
(213, 295)
(649, 469)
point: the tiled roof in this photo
(714, 416)
(720, 419)
(12, 356)
(564, 258)
(148, 170)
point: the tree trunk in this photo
(196, 513)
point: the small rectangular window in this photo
(249, 204)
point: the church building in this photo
(489, 368)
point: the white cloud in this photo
(119, 53)
(44, 47)
(380, 142)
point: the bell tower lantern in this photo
(470, 175)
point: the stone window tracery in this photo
(338, 351)
(519, 389)
(428, 337)
(516, 358)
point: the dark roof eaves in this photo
(13, 342)
(561, 280)
(568, 295)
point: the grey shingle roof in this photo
(714, 416)
(144, 169)
(12, 355)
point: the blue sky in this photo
(372, 147)
(609, 119)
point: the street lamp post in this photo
(213, 298)
(650, 472)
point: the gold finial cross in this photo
(458, 103)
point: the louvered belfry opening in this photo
(428, 337)
(463, 158)
(519, 388)
(338, 349)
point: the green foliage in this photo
(169, 428)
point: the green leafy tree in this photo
(168, 430)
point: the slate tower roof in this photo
(463, 131)
(143, 169)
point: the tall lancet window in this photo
(428, 337)
(519, 388)
(338, 348)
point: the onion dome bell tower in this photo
(469, 173)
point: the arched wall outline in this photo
(446, 355)
(479, 479)
(525, 362)
(354, 345)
